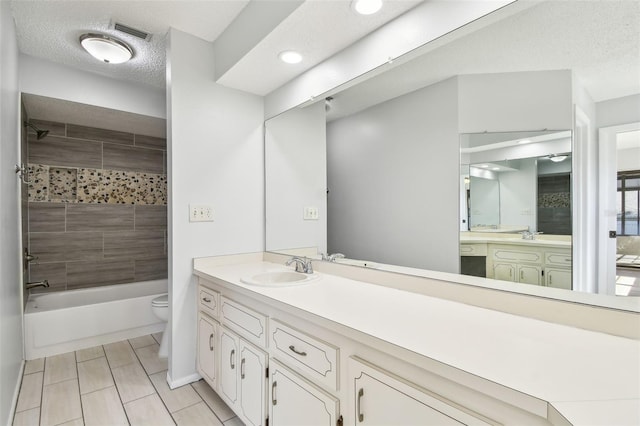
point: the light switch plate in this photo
(200, 213)
(310, 213)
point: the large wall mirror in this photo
(461, 160)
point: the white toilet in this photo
(160, 308)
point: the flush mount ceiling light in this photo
(290, 57)
(105, 48)
(366, 7)
(558, 158)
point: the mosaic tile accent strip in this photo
(554, 200)
(89, 186)
(152, 189)
(63, 184)
(39, 186)
(119, 187)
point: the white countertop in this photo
(466, 237)
(575, 370)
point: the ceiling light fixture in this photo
(105, 48)
(290, 57)
(367, 7)
(523, 141)
(558, 158)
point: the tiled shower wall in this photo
(97, 207)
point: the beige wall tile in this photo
(89, 353)
(132, 382)
(119, 354)
(27, 418)
(103, 407)
(149, 358)
(198, 414)
(212, 399)
(30, 391)
(33, 366)
(94, 375)
(148, 411)
(142, 341)
(59, 368)
(60, 403)
(175, 399)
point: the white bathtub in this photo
(66, 321)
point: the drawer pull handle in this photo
(568, 260)
(206, 299)
(231, 356)
(274, 401)
(360, 415)
(521, 274)
(242, 368)
(211, 342)
(293, 349)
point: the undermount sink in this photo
(279, 278)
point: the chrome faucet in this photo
(528, 235)
(332, 257)
(302, 265)
(43, 283)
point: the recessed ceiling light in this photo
(105, 48)
(523, 141)
(558, 158)
(367, 7)
(290, 57)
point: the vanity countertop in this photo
(469, 238)
(590, 377)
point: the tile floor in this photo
(121, 383)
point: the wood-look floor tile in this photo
(148, 411)
(30, 392)
(119, 354)
(74, 422)
(174, 399)
(142, 341)
(132, 382)
(60, 403)
(59, 368)
(150, 360)
(89, 353)
(94, 375)
(214, 402)
(195, 415)
(234, 421)
(103, 407)
(157, 337)
(27, 418)
(33, 366)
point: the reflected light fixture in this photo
(558, 158)
(367, 7)
(290, 57)
(105, 48)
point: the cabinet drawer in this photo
(208, 301)
(473, 249)
(516, 255)
(316, 359)
(558, 259)
(244, 321)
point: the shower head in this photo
(39, 133)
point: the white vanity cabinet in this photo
(243, 378)
(512, 263)
(382, 399)
(207, 348)
(558, 269)
(295, 401)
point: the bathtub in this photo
(66, 321)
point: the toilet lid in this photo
(161, 301)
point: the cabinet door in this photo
(530, 274)
(297, 402)
(504, 271)
(383, 399)
(207, 341)
(253, 385)
(228, 368)
(559, 278)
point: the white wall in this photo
(296, 177)
(393, 178)
(614, 112)
(484, 194)
(46, 78)
(215, 150)
(518, 194)
(10, 271)
(628, 159)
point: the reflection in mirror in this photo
(405, 151)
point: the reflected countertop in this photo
(558, 241)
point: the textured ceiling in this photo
(598, 40)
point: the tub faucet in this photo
(43, 283)
(302, 265)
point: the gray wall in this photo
(393, 179)
(97, 207)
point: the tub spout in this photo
(43, 283)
